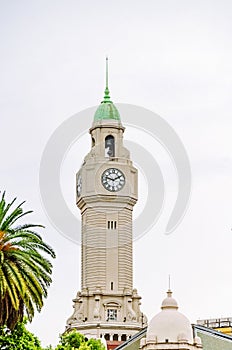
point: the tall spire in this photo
(107, 109)
(107, 92)
(106, 72)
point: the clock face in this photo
(113, 179)
(79, 185)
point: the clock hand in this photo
(110, 178)
(107, 177)
(118, 177)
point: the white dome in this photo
(170, 325)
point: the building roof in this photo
(134, 342)
(211, 339)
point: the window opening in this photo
(111, 314)
(109, 146)
(112, 225)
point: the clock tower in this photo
(107, 189)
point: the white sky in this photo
(172, 57)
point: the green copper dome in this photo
(107, 109)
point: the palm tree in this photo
(25, 274)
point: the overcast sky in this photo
(172, 57)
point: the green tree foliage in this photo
(21, 339)
(95, 344)
(74, 340)
(70, 341)
(18, 339)
(25, 274)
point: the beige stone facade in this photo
(107, 189)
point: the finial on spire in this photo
(107, 92)
(169, 292)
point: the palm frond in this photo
(4, 210)
(13, 217)
(25, 272)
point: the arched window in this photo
(93, 141)
(115, 337)
(123, 337)
(107, 336)
(109, 146)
